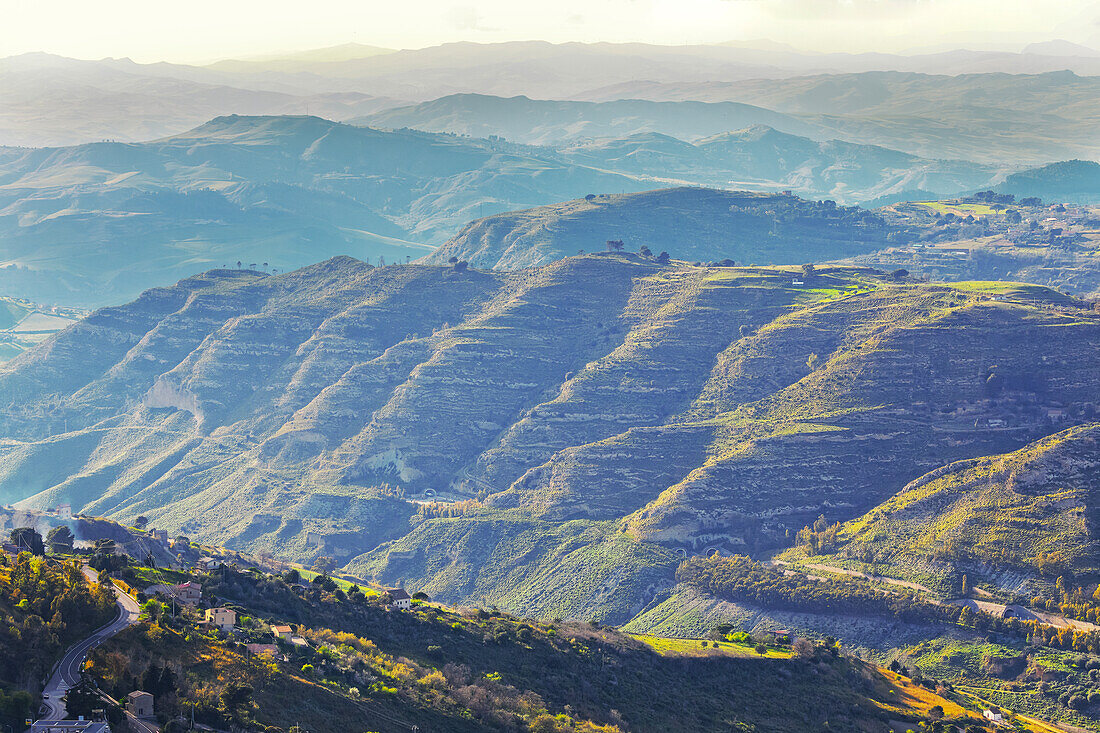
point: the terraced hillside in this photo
(691, 223)
(1030, 514)
(570, 431)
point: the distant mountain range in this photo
(987, 117)
(50, 100)
(95, 224)
(552, 122)
(99, 223)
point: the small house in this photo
(282, 632)
(189, 593)
(206, 564)
(65, 511)
(223, 618)
(140, 704)
(160, 535)
(399, 598)
(993, 716)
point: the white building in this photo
(399, 598)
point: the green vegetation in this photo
(45, 606)
(738, 578)
(367, 665)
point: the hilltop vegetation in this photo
(689, 223)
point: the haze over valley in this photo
(629, 378)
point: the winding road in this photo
(67, 672)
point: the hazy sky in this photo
(204, 30)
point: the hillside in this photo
(1070, 181)
(362, 665)
(601, 416)
(1018, 520)
(97, 224)
(766, 159)
(52, 101)
(553, 122)
(689, 223)
(1021, 117)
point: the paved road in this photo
(68, 670)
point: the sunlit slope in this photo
(1028, 513)
(594, 418)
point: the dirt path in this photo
(858, 574)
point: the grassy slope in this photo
(574, 667)
(1032, 511)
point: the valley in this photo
(543, 386)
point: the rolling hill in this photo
(588, 423)
(987, 118)
(552, 122)
(99, 223)
(690, 223)
(1070, 181)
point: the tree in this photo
(899, 274)
(590, 197)
(141, 522)
(61, 540)
(323, 564)
(461, 266)
(292, 576)
(663, 258)
(238, 264)
(27, 538)
(965, 585)
(813, 362)
(615, 245)
(452, 259)
(807, 271)
(803, 648)
(645, 251)
(761, 649)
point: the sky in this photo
(198, 31)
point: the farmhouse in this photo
(399, 598)
(223, 618)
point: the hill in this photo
(763, 158)
(1070, 181)
(690, 223)
(982, 117)
(55, 101)
(99, 223)
(552, 122)
(578, 426)
(1018, 520)
(360, 664)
